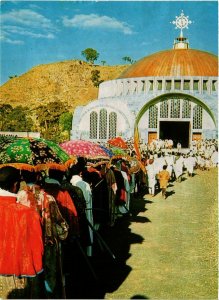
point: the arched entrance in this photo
(176, 131)
(174, 116)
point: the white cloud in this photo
(27, 17)
(34, 6)
(6, 39)
(25, 22)
(22, 31)
(97, 21)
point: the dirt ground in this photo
(165, 249)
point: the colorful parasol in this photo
(84, 148)
(118, 151)
(118, 142)
(107, 150)
(32, 154)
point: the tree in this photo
(48, 119)
(5, 110)
(65, 124)
(12, 76)
(90, 55)
(15, 119)
(103, 62)
(128, 59)
(95, 77)
(65, 121)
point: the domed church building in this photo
(171, 94)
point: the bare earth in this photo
(164, 249)
(169, 247)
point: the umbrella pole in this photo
(126, 209)
(86, 259)
(101, 240)
(61, 271)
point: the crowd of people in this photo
(51, 216)
(203, 155)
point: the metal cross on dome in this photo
(181, 22)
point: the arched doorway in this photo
(176, 131)
(175, 116)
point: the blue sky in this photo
(41, 32)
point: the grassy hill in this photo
(67, 81)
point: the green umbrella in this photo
(118, 151)
(32, 153)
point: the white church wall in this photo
(81, 119)
(207, 121)
(128, 96)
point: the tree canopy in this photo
(90, 55)
(128, 59)
(50, 120)
(15, 119)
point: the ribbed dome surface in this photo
(175, 62)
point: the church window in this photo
(175, 108)
(205, 82)
(135, 86)
(103, 124)
(195, 85)
(159, 85)
(186, 85)
(143, 85)
(153, 112)
(164, 109)
(186, 109)
(214, 82)
(93, 125)
(168, 85)
(197, 117)
(151, 85)
(112, 124)
(177, 84)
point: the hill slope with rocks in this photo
(68, 81)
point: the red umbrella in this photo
(118, 142)
(84, 148)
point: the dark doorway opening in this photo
(176, 131)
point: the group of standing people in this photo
(202, 155)
(48, 217)
(49, 220)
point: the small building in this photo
(171, 94)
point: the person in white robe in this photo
(178, 167)
(214, 158)
(159, 162)
(151, 177)
(189, 163)
(169, 161)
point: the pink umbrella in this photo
(84, 148)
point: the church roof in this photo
(175, 62)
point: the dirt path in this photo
(169, 247)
